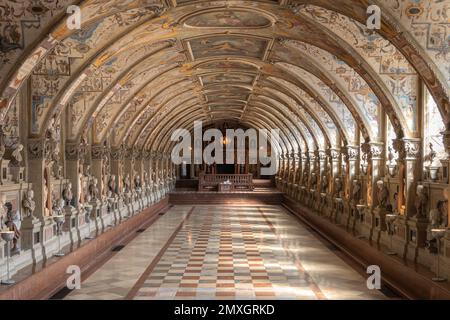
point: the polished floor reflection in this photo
(226, 252)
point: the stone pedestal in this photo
(400, 238)
(417, 235)
(96, 216)
(135, 206)
(301, 194)
(71, 224)
(113, 211)
(367, 223)
(152, 195)
(144, 198)
(338, 208)
(312, 198)
(17, 174)
(445, 256)
(48, 231)
(346, 215)
(32, 237)
(379, 216)
(122, 209)
(323, 204)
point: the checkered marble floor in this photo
(226, 252)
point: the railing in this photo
(238, 181)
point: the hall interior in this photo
(199, 149)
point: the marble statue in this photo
(28, 203)
(382, 194)
(55, 159)
(126, 184)
(390, 156)
(93, 189)
(324, 183)
(13, 222)
(146, 182)
(87, 171)
(57, 205)
(137, 182)
(313, 180)
(305, 176)
(420, 202)
(17, 155)
(337, 187)
(2, 210)
(431, 155)
(52, 132)
(395, 203)
(57, 208)
(68, 194)
(2, 143)
(112, 185)
(442, 207)
(80, 185)
(435, 218)
(356, 191)
(45, 197)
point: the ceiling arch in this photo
(136, 64)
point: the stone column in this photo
(97, 152)
(297, 172)
(128, 165)
(410, 230)
(375, 152)
(321, 204)
(446, 240)
(335, 206)
(33, 228)
(138, 163)
(36, 164)
(314, 178)
(279, 176)
(99, 205)
(74, 161)
(352, 157)
(116, 159)
(303, 183)
(74, 216)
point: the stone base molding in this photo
(410, 280)
(51, 278)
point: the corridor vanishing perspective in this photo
(224, 149)
(226, 252)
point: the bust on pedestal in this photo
(417, 224)
(31, 225)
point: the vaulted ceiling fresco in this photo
(139, 68)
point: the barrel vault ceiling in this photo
(137, 69)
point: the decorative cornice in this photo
(74, 151)
(446, 140)
(412, 148)
(137, 154)
(321, 155)
(407, 148)
(147, 154)
(97, 151)
(376, 150)
(116, 153)
(352, 153)
(36, 149)
(128, 153)
(334, 154)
